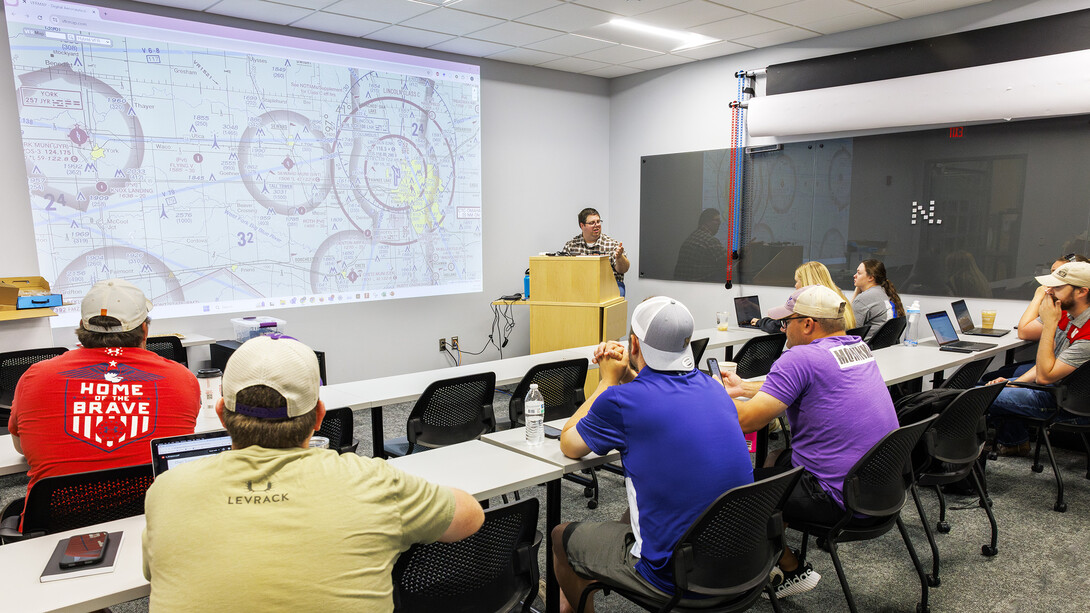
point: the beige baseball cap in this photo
(815, 301)
(115, 298)
(279, 362)
(1072, 273)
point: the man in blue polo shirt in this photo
(678, 433)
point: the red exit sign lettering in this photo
(957, 132)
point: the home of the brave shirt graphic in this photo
(110, 404)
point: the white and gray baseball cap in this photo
(664, 327)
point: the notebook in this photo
(948, 337)
(171, 451)
(965, 322)
(747, 308)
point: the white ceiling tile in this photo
(738, 27)
(570, 44)
(752, 6)
(628, 8)
(390, 11)
(193, 5)
(688, 14)
(339, 24)
(713, 50)
(524, 56)
(659, 61)
(468, 46)
(850, 22)
(308, 4)
(408, 36)
(610, 72)
(450, 21)
(917, 8)
(258, 10)
(507, 9)
(511, 33)
(776, 37)
(567, 18)
(573, 64)
(618, 54)
(806, 11)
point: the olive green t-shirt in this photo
(284, 530)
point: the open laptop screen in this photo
(942, 327)
(747, 308)
(171, 451)
(961, 312)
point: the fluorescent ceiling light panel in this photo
(638, 34)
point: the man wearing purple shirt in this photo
(836, 401)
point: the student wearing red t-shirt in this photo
(99, 406)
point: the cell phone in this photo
(551, 432)
(955, 349)
(713, 368)
(85, 549)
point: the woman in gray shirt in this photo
(875, 299)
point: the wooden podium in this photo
(574, 302)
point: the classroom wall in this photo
(545, 150)
(685, 108)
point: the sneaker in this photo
(1021, 450)
(802, 579)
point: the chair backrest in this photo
(861, 331)
(698, 346)
(170, 347)
(337, 426)
(1074, 392)
(957, 435)
(755, 358)
(966, 376)
(733, 545)
(14, 363)
(889, 334)
(877, 483)
(65, 502)
(492, 570)
(453, 411)
(561, 383)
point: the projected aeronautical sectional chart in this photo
(221, 180)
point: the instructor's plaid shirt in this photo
(604, 246)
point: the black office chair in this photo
(221, 351)
(756, 357)
(726, 555)
(337, 427)
(889, 334)
(1073, 399)
(967, 375)
(449, 411)
(495, 569)
(876, 487)
(861, 331)
(12, 366)
(698, 346)
(65, 502)
(170, 347)
(952, 445)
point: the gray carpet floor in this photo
(1038, 567)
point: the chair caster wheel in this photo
(988, 550)
(592, 504)
(942, 527)
(993, 456)
(933, 581)
(1061, 507)
(1037, 468)
(588, 492)
(922, 609)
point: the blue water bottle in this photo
(526, 285)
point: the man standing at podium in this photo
(591, 241)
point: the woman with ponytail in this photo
(875, 299)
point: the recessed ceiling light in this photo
(645, 36)
(685, 40)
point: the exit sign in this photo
(957, 132)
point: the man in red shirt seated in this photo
(99, 406)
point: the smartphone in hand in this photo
(713, 368)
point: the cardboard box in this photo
(30, 294)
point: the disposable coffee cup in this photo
(319, 441)
(987, 319)
(722, 321)
(209, 381)
(731, 367)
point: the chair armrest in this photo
(1034, 386)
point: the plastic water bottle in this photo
(534, 409)
(912, 330)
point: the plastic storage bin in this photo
(249, 327)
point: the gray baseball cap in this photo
(664, 327)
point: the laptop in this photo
(747, 308)
(948, 337)
(965, 322)
(171, 451)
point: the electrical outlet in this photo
(442, 344)
(454, 343)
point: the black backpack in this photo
(921, 405)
